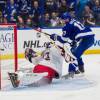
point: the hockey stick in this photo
(48, 36)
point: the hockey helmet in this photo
(65, 16)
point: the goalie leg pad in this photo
(30, 78)
(51, 72)
(14, 79)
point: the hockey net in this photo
(8, 52)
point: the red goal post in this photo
(6, 29)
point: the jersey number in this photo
(79, 25)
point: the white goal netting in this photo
(8, 50)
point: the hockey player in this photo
(48, 65)
(82, 38)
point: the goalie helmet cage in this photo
(6, 29)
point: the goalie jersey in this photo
(52, 58)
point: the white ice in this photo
(80, 88)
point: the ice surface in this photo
(85, 87)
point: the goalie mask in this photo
(29, 53)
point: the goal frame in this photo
(15, 51)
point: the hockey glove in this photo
(54, 37)
(73, 44)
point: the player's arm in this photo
(62, 39)
(56, 37)
(34, 57)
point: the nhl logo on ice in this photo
(38, 35)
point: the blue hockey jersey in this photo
(74, 30)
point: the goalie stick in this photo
(72, 58)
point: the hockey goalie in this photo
(48, 66)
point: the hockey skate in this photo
(73, 70)
(81, 68)
(72, 75)
(69, 75)
(14, 79)
(77, 72)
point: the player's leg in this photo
(81, 65)
(51, 72)
(80, 62)
(80, 49)
(72, 70)
(25, 79)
